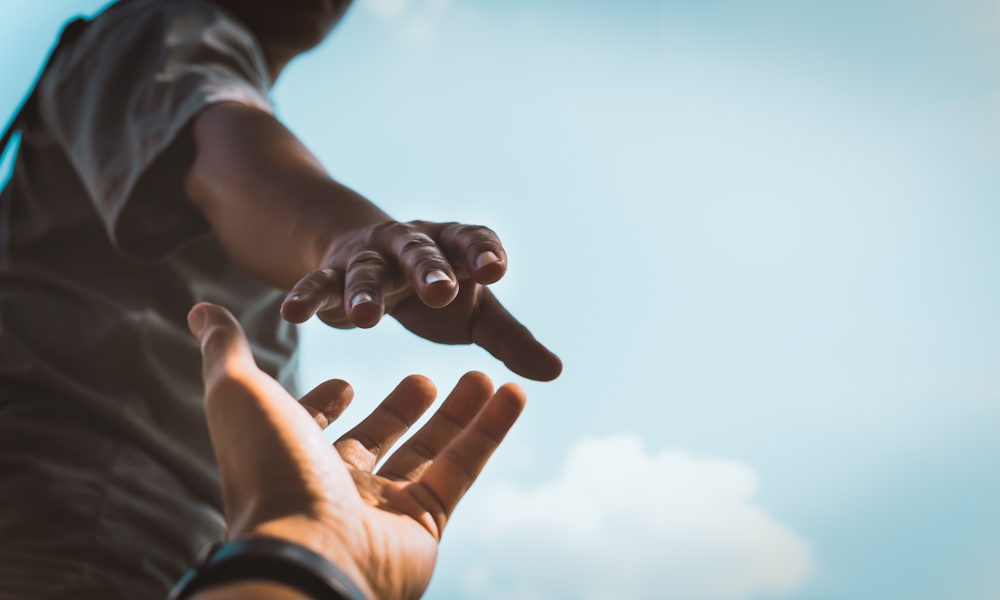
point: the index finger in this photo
(327, 401)
(264, 441)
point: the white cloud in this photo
(620, 523)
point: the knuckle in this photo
(367, 259)
(320, 281)
(470, 235)
(421, 225)
(391, 230)
(460, 462)
(430, 261)
(419, 246)
(421, 450)
(480, 234)
(328, 274)
(449, 231)
(417, 241)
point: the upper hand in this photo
(281, 478)
(432, 278)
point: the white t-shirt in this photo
(101, 257)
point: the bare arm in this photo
(285, 221)
(270, 202)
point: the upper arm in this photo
(242, 150)
(120, 102)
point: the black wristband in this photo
(268, 559)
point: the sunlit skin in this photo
(280, 477)
(283, 219)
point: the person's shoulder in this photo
(152, 51)
(154, 33)
(167, 15)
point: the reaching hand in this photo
(281, 478)
(432, 278)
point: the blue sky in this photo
(763, 238)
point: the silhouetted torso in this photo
(101, 257)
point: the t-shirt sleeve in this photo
(120, 100)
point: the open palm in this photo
(281, 478)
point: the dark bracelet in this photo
(268, 559)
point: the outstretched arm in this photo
(285, 221)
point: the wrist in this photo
(354, 214)
(250, 590)
(263, 565)
(319, 538)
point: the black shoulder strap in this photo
(70, 32)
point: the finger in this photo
(475, 249)
(421, 262)
(272, 458)
(224, 347)
(368, 277)
(500, 334)
(327, 401)
(455, 414)
(363, 446)
(335, 318)
(458, 465)
(319, 290)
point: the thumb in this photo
(224, 347)
(500, 334)
(266, 445)
(242, 403)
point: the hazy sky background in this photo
(763, 236)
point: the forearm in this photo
(283, 220)
(271, 204)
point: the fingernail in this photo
(486, 258)
(361, 297)
(435, 276)
(293, 297)
(196, 321)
